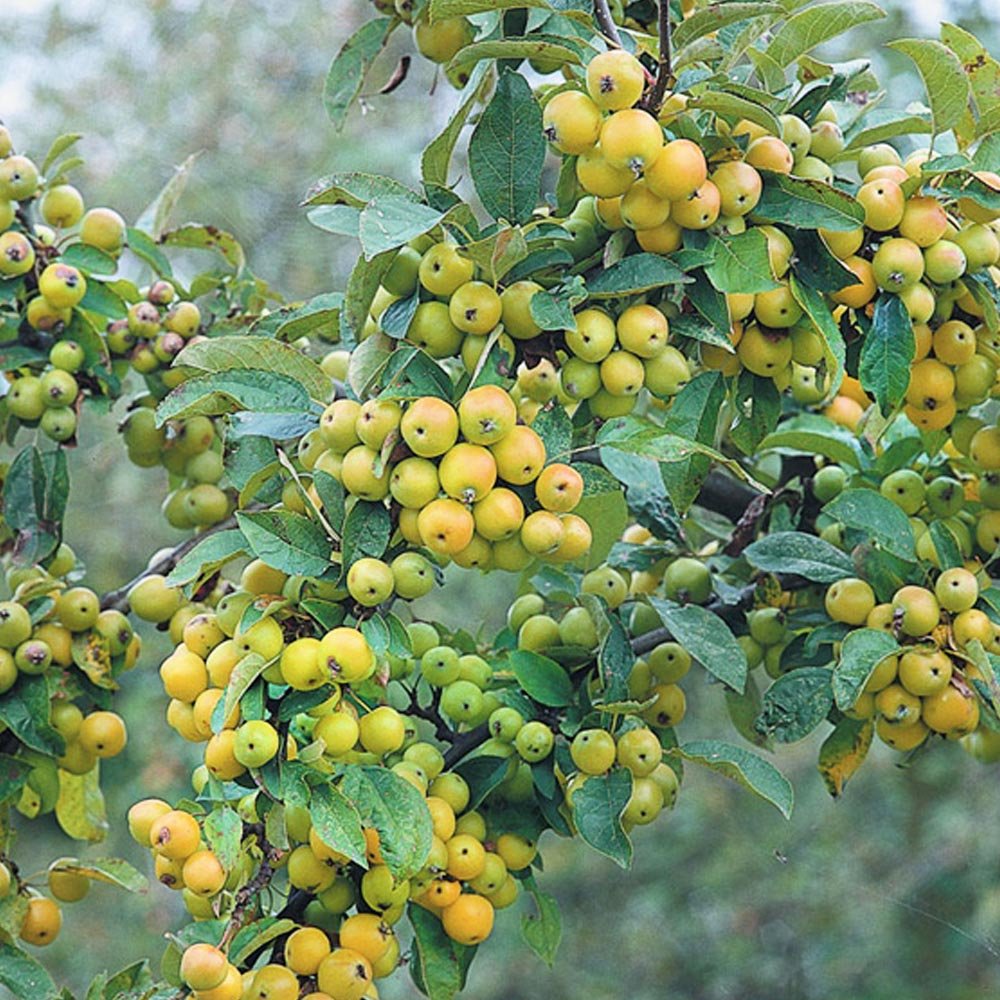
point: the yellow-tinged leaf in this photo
(12, 912)
(80, 807)
(843, 752)
(92, 654)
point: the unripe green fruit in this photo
(67, 356)
(18, 178)
(15, 624)
(413, 575)
(401, 278)
(767, 626)
(523, 608)
(26, 399)
(461, 701)
(687, 580)
(956, 590)
(256, 743)
(439, 666)
(534, 741)
(370, 581)
(944, 262)
(538, 633)
(505, 723)
(829, 482)
(607, 583)
(897, 264)
(103, 228)
(152, 600)
(905, 488)
(945, 496)
(577, 628)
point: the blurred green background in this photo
(891, 892)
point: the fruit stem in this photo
(607, 23)
(664, 71)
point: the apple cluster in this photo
(471, 484)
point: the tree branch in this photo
(607, 23)
(118, 599)
(664, 70)
(465, 744)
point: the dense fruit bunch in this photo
(723, 398)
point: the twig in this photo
(730, 612)
(431, 713)
(664, 70)
(607, 23)
(465, 744)
(118, 599)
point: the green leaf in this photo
(389, 221)
(615, 660)
(223, 830)
(541, 678)
(25, 710)
(156, 215)
(341, 220)
(743, 710)
(254, 935)
(542, 931)
(881, 124)
(410, 373)
(367, 529)
(286, 541)
(815, 307)
(740, 263)
(981, 68)
(507, 150)
(598, 805)
(715, 16)
(226, 392)
(35, 493)
(209, 555)
(222, 354)
(318, 316)
(946, 545)
(439, 965)
(531, 47)
(89, 258)
(861, 652)
(195, 237)
(806, 204)
(331, 495)
(757, 405)
(395, 321)
(246, 671)
(883, 521)
(817, 23)
(555, 429)
(397, 810)
(23, 976)
(637, 273)
(80, 806)
(799, 553)
(707, 638)
(886, 353)
(693, 414)
(113, 871)
(347, 71)
(102, 300)
(355, 189)
(338, 822)
(944, 79)
(482, 774)
(796, 703)
(59, 146)
(608, 516)
(147, 251)
(813, 442)
(745, 768)
(732, 107)
(361, 288)
(436, 157)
